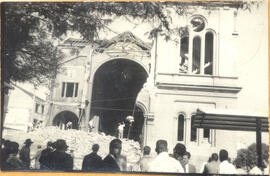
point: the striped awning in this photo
(230, 120)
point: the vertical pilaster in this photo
(190, 45)
(187, 129)
(65, 89)
(88, 91)
(202, 54)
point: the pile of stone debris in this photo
(80, 142)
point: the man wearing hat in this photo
(25, 153)
(59, 159)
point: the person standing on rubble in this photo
(121, 130)
(92, 161)
(90, 125)
(69, 125)
(59, 160)
(109, 163)
(25, 153)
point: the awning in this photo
(233, 120)
(229, 120)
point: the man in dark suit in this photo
(59, 160)
(92, 162)
(189, 168)
(109, 163)
(43, 160)
(25, 153)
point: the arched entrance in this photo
(63, 118)
(115, 88)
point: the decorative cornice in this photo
(193, 87)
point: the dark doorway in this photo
(116, 86)
(63, 118)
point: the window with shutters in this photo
(69, 89)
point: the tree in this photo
(248, 157)
(29, 29)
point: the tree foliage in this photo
(29, 29)
(248, 157)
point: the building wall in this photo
(231, 47)
(21, 108)
(240, 37)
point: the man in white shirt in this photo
(225, 167)
(163, 162)
(121, 130)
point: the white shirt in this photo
(187, 168)
(164, 163)
(226, 168)
(255, 171)
(121, 127)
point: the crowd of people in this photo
(55, 157)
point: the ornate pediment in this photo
(127, 38)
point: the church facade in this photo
(162, 83)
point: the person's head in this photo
(116, 147)
(122, 162)
(49, 144)
(146, 150)
(214, 157)
(161, 146)
(223, 155)
(28, 142)
(95, 148)
(185, 159)
(178, 151)
(61, 145)
(2, 141)
(54, 145)
(6, 144)
(13, 148)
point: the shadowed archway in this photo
(115, 88)
(64, 117)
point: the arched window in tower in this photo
(180, 132)
(197, 47)
(196, 55)
(209, 53)
(184, 53)
(193, 131)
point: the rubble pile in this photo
(80, 142)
